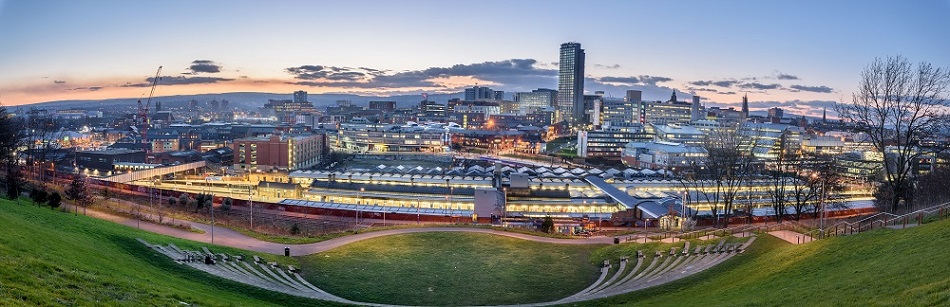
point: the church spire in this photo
(673, 98)
(745, 105)
(824, 115)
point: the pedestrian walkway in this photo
(791, 236)
(232, 238)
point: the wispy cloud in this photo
(177, 80)
(760, 86)
(815, 89)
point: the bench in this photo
(606, 263)
(658, 254)
(686, 249)
(237, 257)
(698, 250)
(672, 251)
(639, 254)
(224, 257)
(207, 252)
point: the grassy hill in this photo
(440, 269)
(909, 267)
(54, 258)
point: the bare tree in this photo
(717, 178)
(897, 105)
(43, 141)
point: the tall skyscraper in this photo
(300, 96)
(570, 95)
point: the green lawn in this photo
(885, 267)
(451, 269)
(53, 258)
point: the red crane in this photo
(143, 113)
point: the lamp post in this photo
(358, 203)
(250, 200)
(208, 182)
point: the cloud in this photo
(628, 80)
(760, 86)
(815, 89)
(90, 88)
(514, 74)
(721, 83)
(59, 82)
(203, 66)
(608, 66)
(638, 80)
(177, 80)
(782, 76)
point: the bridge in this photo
(649, 208)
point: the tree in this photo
(295, 229)
(55, 200)
(718, 177)
(39, 196)
(11, 139)
(933, 188)
(172, 201)
(898, 106)
(548, 224)
(78, 193)
(202, 200)
(184, 200)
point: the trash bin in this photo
(287, 251)
(616, 240)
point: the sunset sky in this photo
(801, 55)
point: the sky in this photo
(800, 55)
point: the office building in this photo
(385, 106)
(570, 96)
(281, 152)
(541, 98)
(300, 96)
(481, 93)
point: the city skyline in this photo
(800, 56)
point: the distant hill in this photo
(240, 100)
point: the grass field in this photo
(452, 269)
(909, 267)
(53, 258)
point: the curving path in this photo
(231, 238)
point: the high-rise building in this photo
(300, 96)
(695, 110)
(537, 99)
(634, 96)
(477, 93)
(570, 96)
(775, 115)
(385, 106)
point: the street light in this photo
(208, 182)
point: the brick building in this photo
(282, 152)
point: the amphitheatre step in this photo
(617, 274)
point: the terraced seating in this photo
(268, 276)
(660, 269)
(627, 277)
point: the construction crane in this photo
(143, 113)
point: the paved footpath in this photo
(228, 237)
